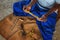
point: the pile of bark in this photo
(19, 28)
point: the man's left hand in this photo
(43, 18)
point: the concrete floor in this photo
(6, 9)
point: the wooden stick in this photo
(33, 15)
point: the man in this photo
(42, 9)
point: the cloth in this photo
(48, 3)
(46, 28)
(58, 1)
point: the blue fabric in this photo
(46, 28)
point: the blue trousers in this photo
(46, 28)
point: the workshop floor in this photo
(6, 9)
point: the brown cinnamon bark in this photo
(12, 28)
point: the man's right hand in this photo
(26, 8)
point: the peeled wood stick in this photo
(33, 15)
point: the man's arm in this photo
(54, 8)
(32, 2)
(28, 7)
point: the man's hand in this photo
(43, 18)
(26, 8)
